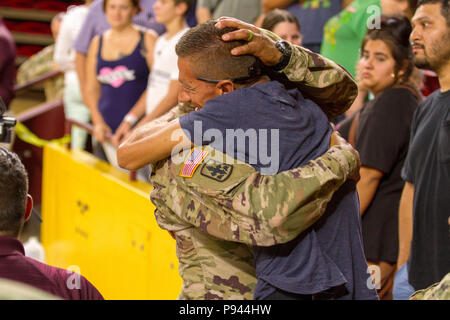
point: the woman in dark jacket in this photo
(380, 132)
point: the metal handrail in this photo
(39, 109)
(37, 80)
(90, 129)
(55, 104)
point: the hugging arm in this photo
(320, 79)
(250, 207)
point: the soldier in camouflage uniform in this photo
(41, 63)
(204, 220)
(38, 65)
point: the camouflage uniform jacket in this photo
(438, 291)
(13, 290)
(208, 210)
(228, 201)
(320, 79)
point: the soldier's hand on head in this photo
(258, 43)
(337, 140)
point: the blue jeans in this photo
(402, 289)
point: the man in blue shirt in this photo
(237, 101)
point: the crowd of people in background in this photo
(120, 73)
(380, 132)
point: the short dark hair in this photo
(394, 31)
(134, 3)
(445, 8)
(13, 192)
(212, 56)
(412, 5)
(276, 16)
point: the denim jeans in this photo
(402, 289)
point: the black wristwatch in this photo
(285, 48)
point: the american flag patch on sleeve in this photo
(192, 162)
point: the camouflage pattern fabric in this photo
(228, 200)
(39, 64)
(321, 80)
(238, 204)
(438, 291)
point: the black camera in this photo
(6, 124)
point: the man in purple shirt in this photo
(7, 65)
(15, 210)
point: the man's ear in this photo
(225, 86)
(28, 208)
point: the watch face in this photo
(285, 49)
(283, 46)
(280, 45)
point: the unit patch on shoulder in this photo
(216, 170)
(192, 162)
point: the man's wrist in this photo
(286, 52)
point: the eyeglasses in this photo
(237, 80)
(254, 72)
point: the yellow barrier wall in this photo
(95, 219)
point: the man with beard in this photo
(424, 243)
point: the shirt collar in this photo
(10, 246)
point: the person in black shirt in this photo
(424, 241)
(380, 132)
